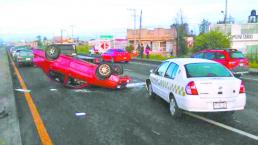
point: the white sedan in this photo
(196, 85)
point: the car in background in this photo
(23, 57)
(62, 64)
(116, 55)
(93, 50)
(196, 85)
(233, 59)
(13, 50)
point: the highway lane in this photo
(121, 116)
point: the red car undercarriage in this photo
(74, 72)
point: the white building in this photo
(244, 37)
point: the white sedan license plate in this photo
(27, 59)
(241, 64)
(220, 105)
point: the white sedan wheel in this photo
(172, 107)
(174, 110)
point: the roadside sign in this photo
(106, 37)
(104, 45)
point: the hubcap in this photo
(52, 51)
(104, 70)
(172, 107)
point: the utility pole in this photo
(226, 12)
(225, 16)
(140, 28)
(62, 36)
(72, 28)
(141, 51)
(134, 19)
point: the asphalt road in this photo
(123, 117)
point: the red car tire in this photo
(103, 71)
(52, 52)
(117, 69)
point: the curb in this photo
(157, 62)
(9, 123)
(252, 71)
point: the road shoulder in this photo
(9, 123)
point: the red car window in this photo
(198, 55)
(120, 50)
(220, 55)
(236, 54)
(210, 55)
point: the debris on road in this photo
(53, 89)
(134, 85)
(155, 132)
(80, 114)
(22, 90)
(3, 112)
(82, 91)
(237, 121)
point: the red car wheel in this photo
(117, 69)
(52, 52)
(103, 71)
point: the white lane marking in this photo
(127, 70)
(223, 126)
(134, 85)
(155, 132)
(22, 90)
(53, 89)
(80, 114)
(250, 79)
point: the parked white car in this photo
(196, 85)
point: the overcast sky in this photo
(28, 18)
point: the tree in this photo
(45, 40)
(182, 30)
(211, 40)
(129, 48)
(39, 41)
(204, 26)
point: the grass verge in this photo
(83, 49)
(253, 65)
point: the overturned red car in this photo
(61, 63)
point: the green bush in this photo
(159, 57)
(83, 49)
(129, 48)
(253, 65)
